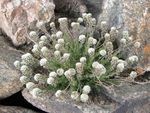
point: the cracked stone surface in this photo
(9, 76)
(50, 104)
(134, 16)
(11, 109)
(140, 105)
(128, 91)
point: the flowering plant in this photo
(71, 59)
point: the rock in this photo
(128, 91)
(48, 102)
(134, 16)
(18, 15)
(94, 7)
(140, 105)
(9, 76)
(11, 109)
(73, 8)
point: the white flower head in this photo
(59, 34)
(57, 54)
(44, 38)
(63, 23)
(114, 61)
(130, 39)
(60, 71)
(94, 21)
(53, 74)
(28, 59)
(137, 44)
(104, 25)
(41, 44)
(82, 38)
(25, 70)
(83, 60)
(36, 46)
(69, 73)
(36, 50)
(84, 15)
(133, 74)
(36, 92)
(43, 62)
(120, 67)
(86, 89)
(52, 24)
(99, 70)
(24, 79)
(89, 15)
(114, 58)
(30, 85)
(79, 67)
(62, 20)
(61, 41)
(107, 36)
(80, 20)
(125, 34)
(122, 61)
(50, 81)
(33, 36)
(17, 64)
(58, 46)
(58, 93)
(123, 41)
(72, 71)
(91, 51)
(74, 95)
(95, 64)
(92, 41)
(109, 46)
(37, 77)
(113, 29)
(84, 98)
(103, 52)
(75, 25)
(66, 56)
(133, 59)
(53, 36)
(45, 51)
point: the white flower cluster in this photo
(70, 73)
(92, 41)
(28, 59)
(99, 69)
(71, 59)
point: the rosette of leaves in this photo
(70, 59)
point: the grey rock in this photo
(140, 105)
(12, 109)
(128, 91)
(48, 102)
(9, 76)
(134, 16)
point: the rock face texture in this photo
(8, 109)
(9, 76)
(134, 16)
(17, 15)
(51, 104)
(127, 91)
(140, 105)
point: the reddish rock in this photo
(18, 15)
